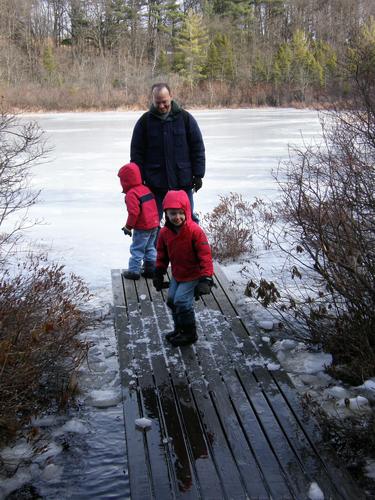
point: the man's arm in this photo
(138, 142)
(196, 147)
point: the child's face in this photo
(176, 216)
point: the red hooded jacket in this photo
(187, 250)
(140, 202)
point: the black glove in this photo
(127, 232)
(204, 287)
(197, 183)
(158, 279)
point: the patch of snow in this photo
(143, 423)
(315, 493)
(142, 297)
(266, 339)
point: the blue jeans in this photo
(143, 249)
(160, 195)
(180, 300)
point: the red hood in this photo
(178, 199)
(130, 176)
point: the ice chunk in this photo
(336, 392)
(358, 403)
(75, 426)
(266, 325)
(104, 398)
(14, 483)
(143, 423)
(273, 366)
(370, 469)
(52, 472)
(51, 450)
(315, 493)
(17, 453)
(368, 384)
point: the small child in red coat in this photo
(183, 243)
(143, 220)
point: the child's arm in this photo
(133, 208)
(162, 256)
(203, 250)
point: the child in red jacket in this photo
(143, 219)
(183, 243)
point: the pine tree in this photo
(192, 45)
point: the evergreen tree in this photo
(192, 44)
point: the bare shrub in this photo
(41, 313)
(41, 308)
(328, 212)
(230, 227)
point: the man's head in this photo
(161, 97)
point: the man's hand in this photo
(127, 231)
(204, 287)
(197, 183)
(158, 279)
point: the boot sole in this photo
(183, 342)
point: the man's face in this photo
(162, 100)
(176, 216)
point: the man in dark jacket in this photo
(167, 144)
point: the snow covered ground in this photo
(83, 210)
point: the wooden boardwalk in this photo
(224, 426)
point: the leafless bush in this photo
(41, 313)
(230, 227)
(328, 212)
(41, 308)
(21, 146)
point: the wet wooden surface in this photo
(223, 425)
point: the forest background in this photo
(105, 54)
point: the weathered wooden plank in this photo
(259, 446)
(158, 456)
(183, 469)
(209, 484)
(215, 439)
(139, 478)
(302, 430)
(262, 422)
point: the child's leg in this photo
(184, 311)
(170, 299)
(150, 254)
(137, 250)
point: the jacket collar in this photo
(175, 109)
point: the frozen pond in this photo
(81, 201)
(83, 210)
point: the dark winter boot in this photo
(186, 335)
(148, 270)
(171, 335)
(130, 275)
